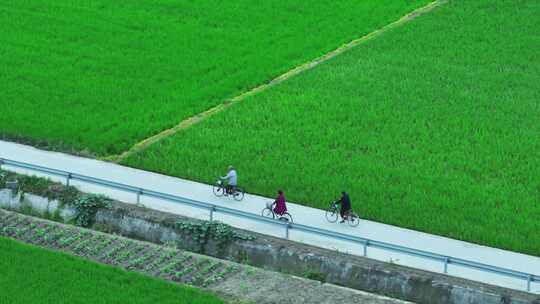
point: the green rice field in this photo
(34, 275)
(98, 76)
(433, 126)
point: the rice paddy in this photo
(95, 77)
(433, 126)
(34, 275)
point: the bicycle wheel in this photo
(331, 215)
(218, 190)
(353, 220)
(238, 194)
(267, 212)
(286, 217)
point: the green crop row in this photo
(432, 126)
(166, 262)
(98, 76)
(34, 275)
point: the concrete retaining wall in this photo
(36, 205)
(281, 255)
(333, 267)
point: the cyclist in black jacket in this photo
(345, 205)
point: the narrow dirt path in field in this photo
(297, 70)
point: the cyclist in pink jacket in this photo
(280, 207)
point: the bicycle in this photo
(220, 189)
(332, 215)
(268, 211)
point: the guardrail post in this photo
(446, 259)
(287, 227)
(366, 244)
(1, 162)
(212, 212)
(68, 177)
(139, 196)
(529, 280)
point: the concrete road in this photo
(301, 214)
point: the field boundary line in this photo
(145, 143)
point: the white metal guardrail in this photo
(528, 278)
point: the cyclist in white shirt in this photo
(232, 179)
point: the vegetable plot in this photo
(168, 263)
